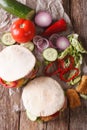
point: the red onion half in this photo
(43, 19)
(62, 43)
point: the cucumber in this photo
(30, 116)
(50, 54)
(28, 45)
(84, 96)
(18, 9)
(7, 39)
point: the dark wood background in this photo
(70, 119)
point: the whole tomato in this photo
(23, 30)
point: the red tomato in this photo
(23, 30)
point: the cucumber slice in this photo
(84, 96)
(28, 45)
(50, 54)
(16, 8)
(30, 116)
(7, 39)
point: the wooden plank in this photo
(78, 117)
(79, 18)
(9, 120)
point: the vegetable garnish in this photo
(62, 43)
(8, 84)
(23, 30)
(48, 68)
(65, 71)
(53, 39)
(50, 54)
(36, 38)
(41, 43)
(60, 65)
(73, 38)
(56, 27)
(7, 39)
(84, 96)
(62, 69)
(67, 62)
(76, 50)
(43, 19)
(28, 45)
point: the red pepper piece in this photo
(62, 69)
(66, 71)
(49, 66)
(34, 73)
(58, 26)
(60, 66)
(11, 85)
(2, 82)
(71, 59)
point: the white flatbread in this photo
(16, 62)
(43, 96)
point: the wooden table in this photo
(70, 119)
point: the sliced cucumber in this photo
(84, 96)
(28, 45)
(7, 39)
(50, 54)
(30, 116)
(18, 9)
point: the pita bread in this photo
(15, 62)
(43, 96)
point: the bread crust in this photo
(51, 117)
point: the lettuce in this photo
(73, 38)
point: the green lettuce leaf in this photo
(73, 38)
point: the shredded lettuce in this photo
(84, 96)
(73, 38)
(67, 51)
(76, 50)
(75, 81)
(31, 116)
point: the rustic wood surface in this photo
(70, 119)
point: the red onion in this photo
(41, 43)
(53, 39)
(43, 19)
(62, 43)
(36, 38)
